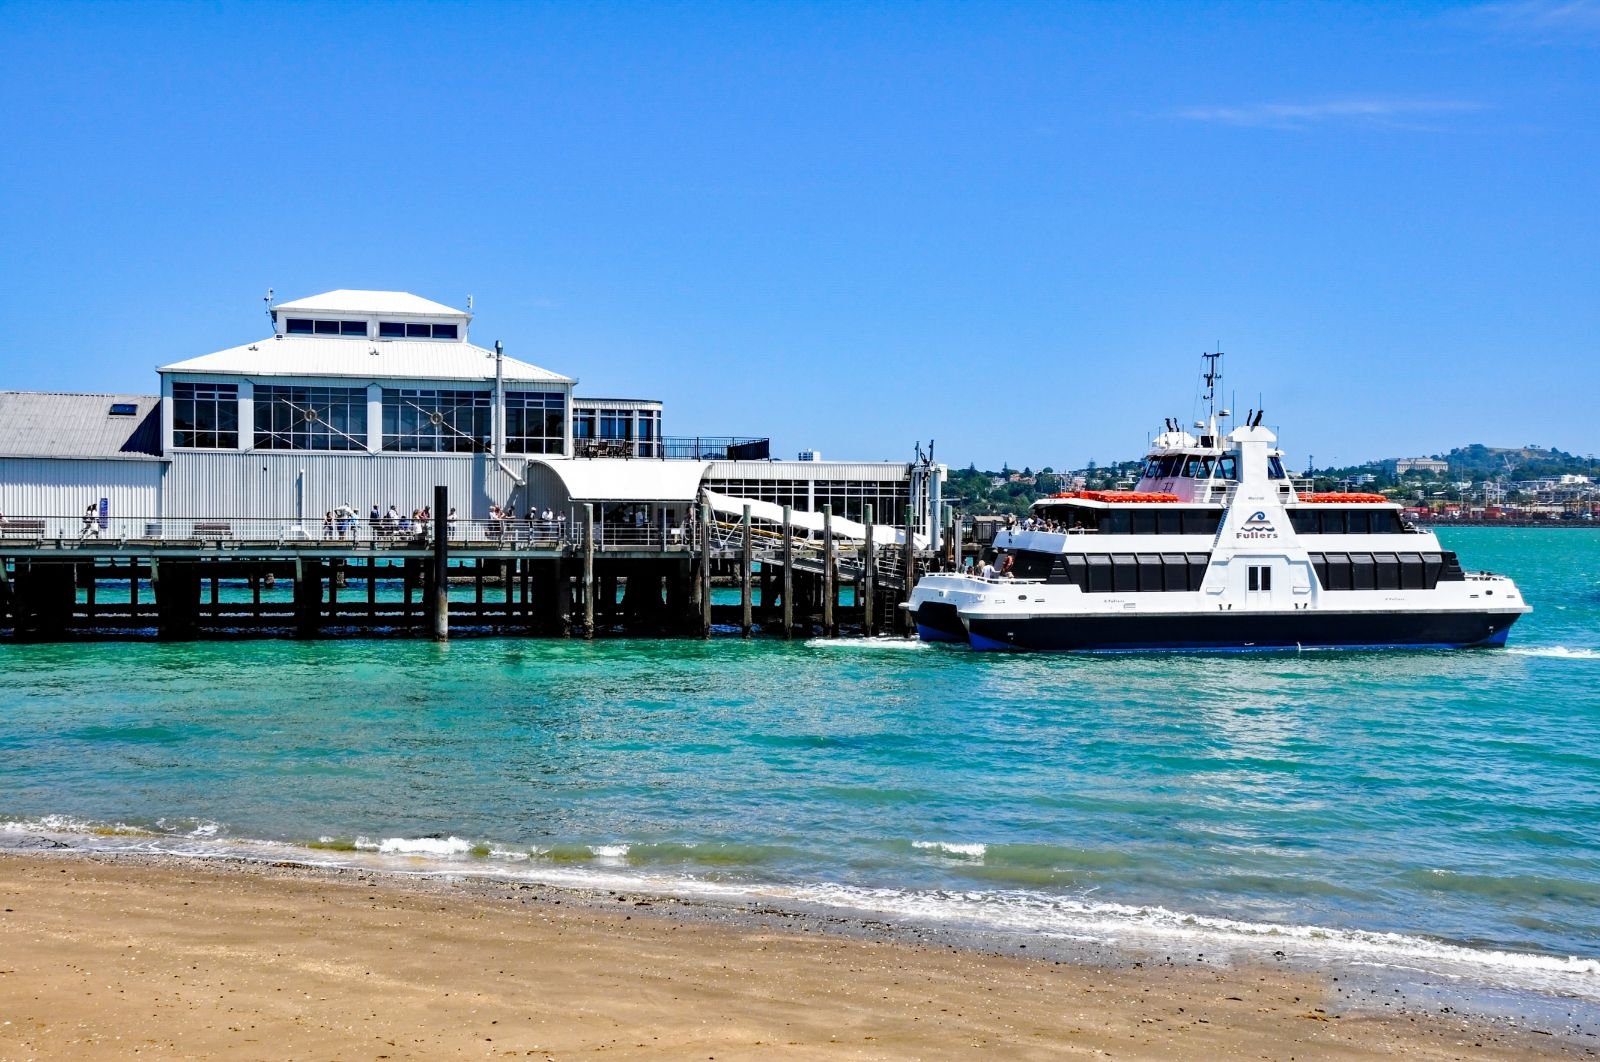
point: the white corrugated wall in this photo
(263, 484)
(57, 486)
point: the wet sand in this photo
(105, 958)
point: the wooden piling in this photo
(830, 575)
(788, 572)
(441, 563)
(909, 569)
(705, 569)
(868, 565)
(588, 570)
(747, 557)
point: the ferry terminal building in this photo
(370, 398)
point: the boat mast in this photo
(1212, 377)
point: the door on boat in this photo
(1263, 578)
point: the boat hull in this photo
(938, 621)
(1241, 631)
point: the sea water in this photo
(1432, 811)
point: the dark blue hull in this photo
(1235, 631)
(938, 622)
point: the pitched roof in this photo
(350, 300)
(47, 424)
(363, 359)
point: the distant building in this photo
(1420, 464)
(371, 398)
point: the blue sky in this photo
(1012, 228)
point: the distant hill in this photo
(1477, 462)
(1009, 490)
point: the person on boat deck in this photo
(987, 571)
(1006, 566)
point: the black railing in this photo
(678, 448)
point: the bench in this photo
(213, 529)
(22, 528)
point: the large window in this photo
(205, 415)
(406, 330)
(311, 418)
(535, 422)
(436, 421)
(305, 326)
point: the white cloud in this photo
(1548, 21)
(1392, 113)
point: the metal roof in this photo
(618, 479)
(364, 359)
(47, 424)
(349, 300)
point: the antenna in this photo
(267, 298)
(469, 303)
(1212, 377)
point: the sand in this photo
(116, 958)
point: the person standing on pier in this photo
(91, 522)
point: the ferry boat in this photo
(1217, 549)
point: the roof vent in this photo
(124, 409)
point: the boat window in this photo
(1334, 522)
(1115, 522)
(1319, 564)
(1386, 522)
(1338, 571)
(1197, 468)
(1388, 570)
(1099, 574)
(1363, 572)
(1124, 573)
(1169, 522)
(1144, 521)
(1198, 563)
(1432, 570)
(1151, 576)
(1359, 521)
(1275, 467)
(1450, 568)
(1200, 521)
(1228, 467)
(1305, 521)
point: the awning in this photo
(800, 520)
(615, 479)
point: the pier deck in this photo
(66, 578)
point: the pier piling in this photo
(909, 556)
(588, 570)
(830, 575)
(746, 558)
(705, 569)
(788, 571)
(868, 563)
(441, 565)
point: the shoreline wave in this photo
(1002, 912)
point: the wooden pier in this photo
(230, 579)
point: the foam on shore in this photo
(1004, 913)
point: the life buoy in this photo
(1118, 496)
(1338, 497)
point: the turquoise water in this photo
(1437, 811)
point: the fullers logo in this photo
(1256, 526)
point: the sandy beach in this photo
(165, 959)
